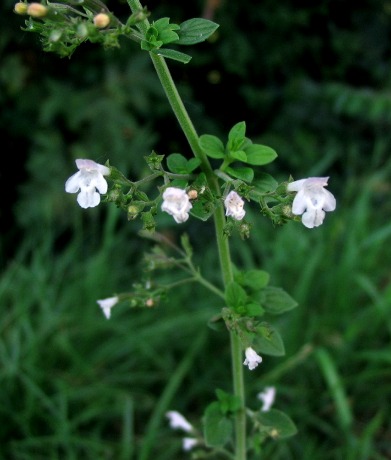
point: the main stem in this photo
(219, 219)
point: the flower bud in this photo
(82, 31)
(149, 303)
(20, 8)
(101, 20)
(36, 10)
(55, 35)
(192, 194)
(133, 211)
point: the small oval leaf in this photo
(195, 31)
(212, 146)
(259, 155)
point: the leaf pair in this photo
(189, 32)
(238, 148)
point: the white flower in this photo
(267, 397)
(189, 443)
(252, 359)
(107, 304)
(89, 180)
(234, 206)
(312, 200)
(178, 422)
(176, 203)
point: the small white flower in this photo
(90, 181)
(178, 422)
(234, 206)
(176, 203)
(312, 200)
(107, 304)
(252, 358)
(267, 397)
(189, 443)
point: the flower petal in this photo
(313, 218)
(87, 198)
(100, 183)
(300, 203)
(296, 185)
(72, 185)
(330, 202)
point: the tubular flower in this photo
(189, 443)
(107, 304)
(311, 200)
(178, 422)
(252, 358)
(234, 206)
(90, 181)
(267, 397)
(176, 203)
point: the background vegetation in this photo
(312, 80)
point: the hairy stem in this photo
(219, 220)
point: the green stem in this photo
(219, 220)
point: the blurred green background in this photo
(313, 81)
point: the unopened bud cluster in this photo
(36, 10)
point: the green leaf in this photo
(254, 279)
(239, 155)
(245, 174)
(236, 136)
(151, 34)
(277, 424)
(177, 163)
(217, 427)
(202, 208)
(264, 183)
(193, 164)
(276, 301)
(235, 295)
(259, 155)
(150, 46)
(212, 146)
(166, 30)
(268, 341)
(254, 309)
(172, 54)
(195, 31)
(227, 401)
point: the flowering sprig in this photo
(192, 188)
